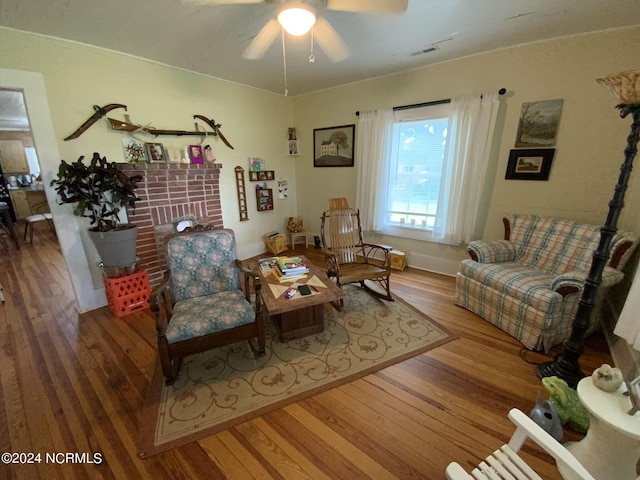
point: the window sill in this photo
(414, 233)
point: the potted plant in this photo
(100, 191)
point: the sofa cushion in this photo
(521, 282)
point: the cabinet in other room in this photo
(20, 203)
(24, 200)
(13, 158)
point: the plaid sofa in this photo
(529, 283)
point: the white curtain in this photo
(471, 126)
(628, 325)
(373, 141)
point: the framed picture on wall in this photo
(334, 146)
(530, 164)
(539, 121)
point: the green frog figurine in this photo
(569, 407)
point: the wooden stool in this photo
(297, 235)
(8, 223)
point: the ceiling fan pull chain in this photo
(312, 57)
(284, 64)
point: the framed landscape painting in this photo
(539, 121)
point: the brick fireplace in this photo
(170, 192)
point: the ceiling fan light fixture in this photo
(296, 21)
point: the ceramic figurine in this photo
(607, 378)
(569, 406)
(544, 413)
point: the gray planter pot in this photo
(117, 248)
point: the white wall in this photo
(589, 148)
(75, 77)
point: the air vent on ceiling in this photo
(426, 50)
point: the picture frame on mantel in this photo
(155, 152)
(196, 154)
(529, 164)
(334, 146)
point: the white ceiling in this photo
(211, 38)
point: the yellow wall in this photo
(77, 77)
(585, 169)
(590, 142)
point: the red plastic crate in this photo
(128, 294)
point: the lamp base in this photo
(568, 371)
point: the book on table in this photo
(287, 278)
(291, 266)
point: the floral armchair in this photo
(201, 304)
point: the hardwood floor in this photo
(77, 383)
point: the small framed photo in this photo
(155, 152)
(134, 151)
(174, 154)
(530, 164)
(195, 154)
(293, 148)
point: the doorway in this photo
(19, 165)
(68, 232)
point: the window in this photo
(415, 164)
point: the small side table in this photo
(611, 447)
(298, 235)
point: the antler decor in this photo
(99, 113)
(125, 126)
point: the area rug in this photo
(223, 387)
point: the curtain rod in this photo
(502, 91)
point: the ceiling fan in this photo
(298, 17)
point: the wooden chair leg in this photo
(174, 369)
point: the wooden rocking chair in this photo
(348, 258)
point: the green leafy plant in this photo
(99, 189)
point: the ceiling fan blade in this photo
(220, 2)
(330, 41)
(373, 7)
(263, 40)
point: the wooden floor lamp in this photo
(626, 87)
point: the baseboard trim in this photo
(442, 266)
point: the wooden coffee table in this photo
(300, 315)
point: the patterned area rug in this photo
(221, 388)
